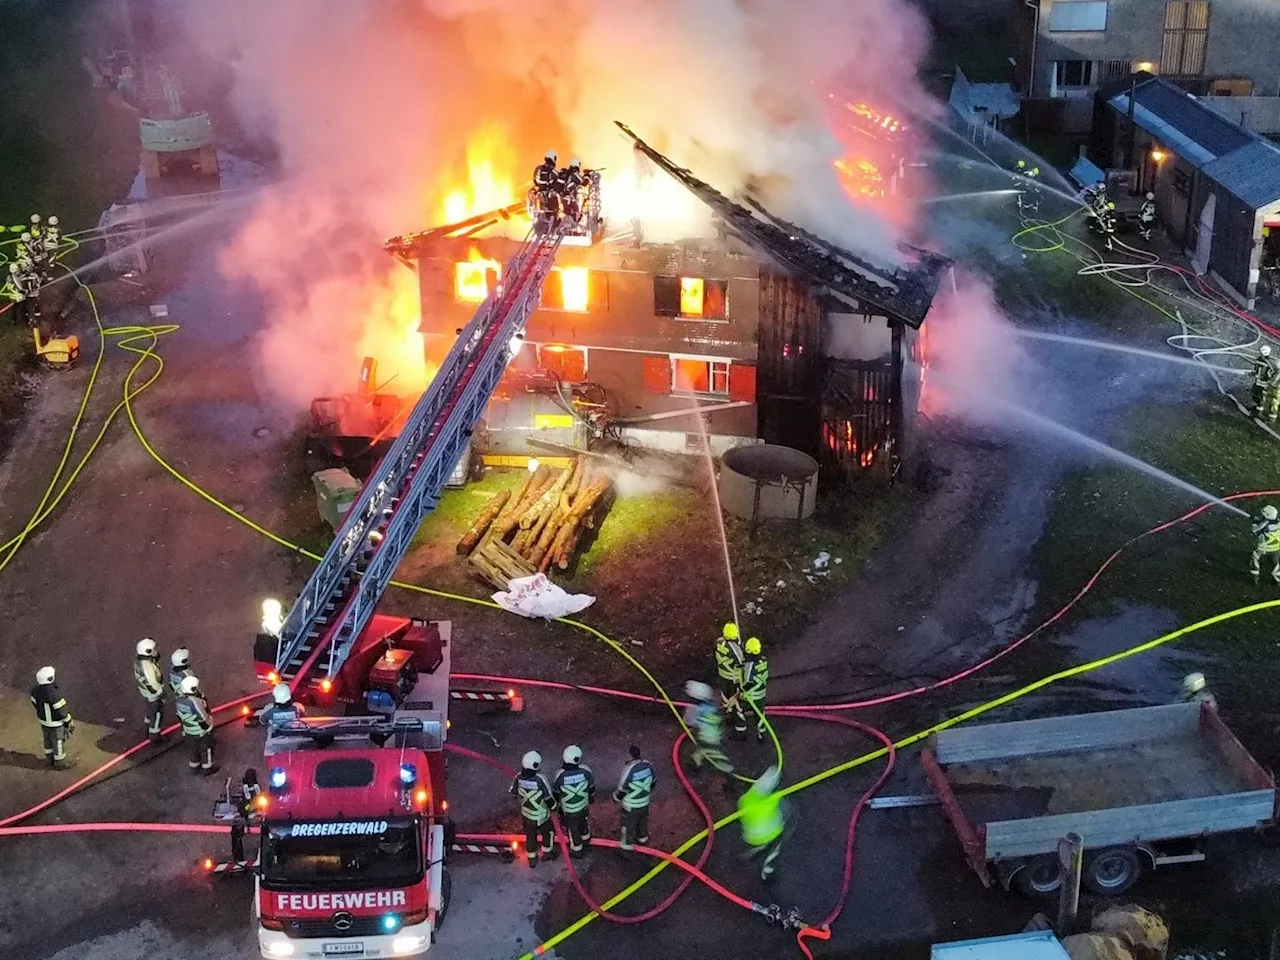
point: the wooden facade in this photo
(789, 362)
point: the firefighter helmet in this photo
(698, 690)
(730, 631)
(1035, 171)
(1151, 196)
(281, 693)
(572, 754)
(35, 219)
(531, 760)
(53, 221)
(26, 236)
(1193, 682)
(146, 647)
(753, 646)
(1022, 164)
(1264, 350)
(189, 686)
(1270, 513)
(575, 164)
(44, 675)
(180, 657)
(1111, 204)
(551, 155)
(13, 268)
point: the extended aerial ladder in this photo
(325, 622)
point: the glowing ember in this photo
(491, 178)
(860, 177)
(875, 119)
(574, 282)
(473, 277)
(691, 296)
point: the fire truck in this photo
(353, 827)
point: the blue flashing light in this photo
(408, 774)
(390, 922)
(277, 778)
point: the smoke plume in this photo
(394, 115)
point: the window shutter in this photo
(553, 291)
(714, 300)
(598, 291)
(657, 372)
(666, 296)
(573, 366)
(742, 382)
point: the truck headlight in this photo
(403, 945)
(280, 948)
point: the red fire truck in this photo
(353, 827)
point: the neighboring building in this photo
(772, 332)
(1217, 185)
(1208, 47)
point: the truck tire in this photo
(1040, 879)
(1112, 871)
(446, 893)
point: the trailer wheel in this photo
(1111, 872)
(1040, 879)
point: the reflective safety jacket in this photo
(755, 678)
(762, 820)
(1268, 534)
(706, 723)
(50, 705)
(570, 181)
(1264, 371)
(146, 672)
(176, 676)
(278, 714)
(729, 660)
(635, 785)
(575, 787)
(194, 714)
(545, 176)
(534, 791)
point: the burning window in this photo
(690, 298)
(568, 288)
(690, 375)
(475, 279)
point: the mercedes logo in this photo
(343, 921)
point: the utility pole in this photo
(1129, 133)
(1071, 857)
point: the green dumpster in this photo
(336, 489)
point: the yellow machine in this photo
(60, 353)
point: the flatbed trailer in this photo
(1142, 787)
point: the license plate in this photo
(343, 949)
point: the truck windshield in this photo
(342, 854)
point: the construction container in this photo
(336, 489)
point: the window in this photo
(691, 298)
(1233, 87)
(474, 280)
(692, 375)
(568, 288)
(1075, 16)
(391, 857)
(1186, 32)
(1073, 73)
(1116, 69)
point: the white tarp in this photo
(537, 596)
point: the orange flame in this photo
(491, 180)
(575, 284)
(474, 277)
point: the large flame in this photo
(392, 337)
(492, 179)
(474, 277)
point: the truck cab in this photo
(353, 831)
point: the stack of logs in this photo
(543, 520)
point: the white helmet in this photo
(180, 657)
(551, 155)
(35, 218)
(572, 754)
(281, 693)
(13, 268)
(531, 760)
(575, 163)
(146, 647)
(1193, 682)
(1151, 196)
(1270, 513)
(44, 675)
(1265, 350)
(26, 236)
(53, 221)
(189, 685)
(698, 690)
(770, 779)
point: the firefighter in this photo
(54, 716)
(635, 787)
(197, 726)
(25, 293)
(704, 719)
(537, 801)
(26, 247)
(1266, 533)
(1264, 373)
(569, 182)
(575, 787)
(1147, 216)
(1194, 690)
(546, 179)
(52, 237)
(146, 673)
(755, 683)
(763, 821)
(179, 669)
(246, 812)
(729, 667)
(282, 709)
(1107, 223)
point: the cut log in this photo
(483, 522)
(516, 506)
(548, 498)
(578, 519)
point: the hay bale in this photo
(1096, 946)
(1145, 933)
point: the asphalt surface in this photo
(132, 553)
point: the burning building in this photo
(766, 331)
